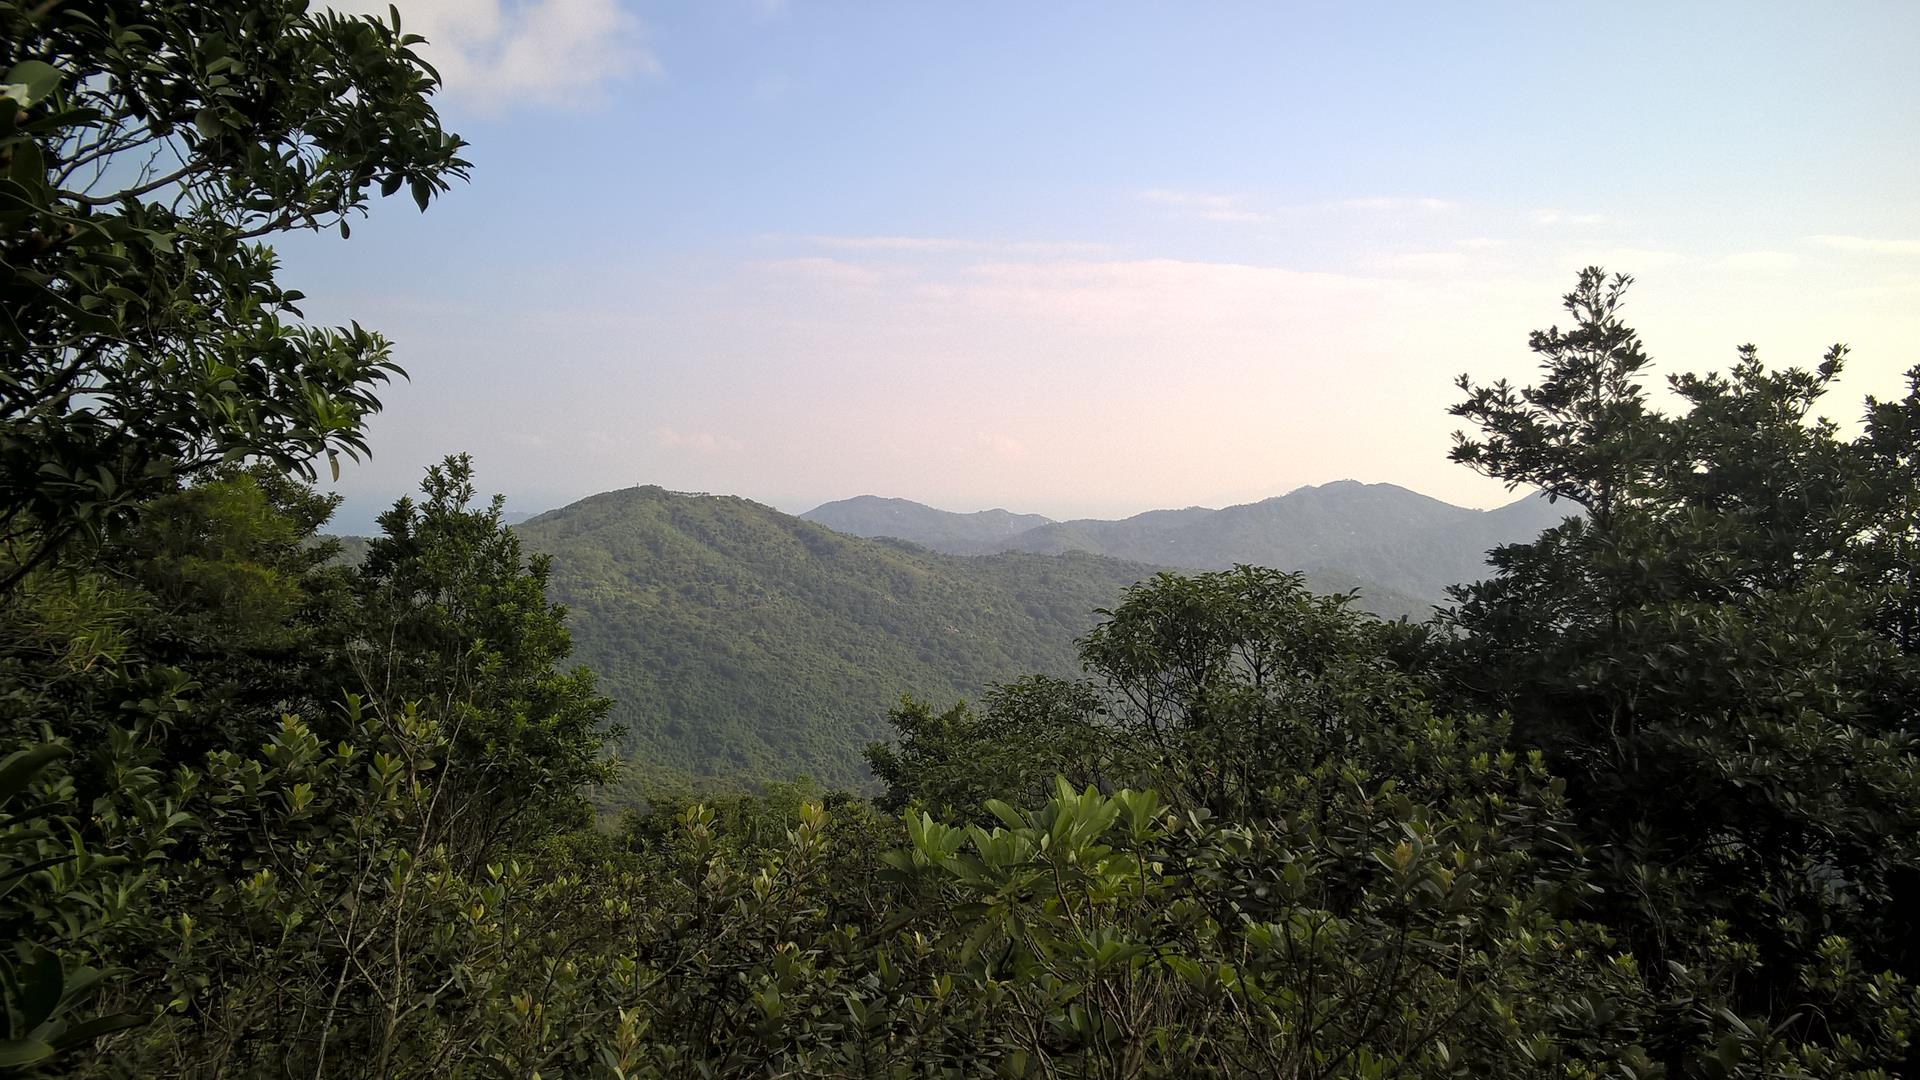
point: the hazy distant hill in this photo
(1401, 539)
(941, 530)
(739, 642)
(1397, 539)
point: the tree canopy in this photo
(146, 150)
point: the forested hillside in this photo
(740, 643)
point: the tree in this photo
(1339, 881)
(455, 619)
(1714, 658)
(1027, 733)
(1237, 679)
(146, 150)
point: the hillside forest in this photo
(739, 643)
(1640, 800)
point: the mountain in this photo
(1382, 535)
(740, 643)
(941, 530)
(1399, 539)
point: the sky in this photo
(1088, 259)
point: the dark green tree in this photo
(1025, 734)
(146, 151)
(455, 620)
(1713, 656)
(1225, 691)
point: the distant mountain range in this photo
(741, 643)
(942, 530)
(1381, 535)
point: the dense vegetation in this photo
(741, 643)
(1642, 804)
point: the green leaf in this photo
(30, 82)
(88, 1030)
(15, 1053)
(42, 985)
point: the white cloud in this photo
(496, 53)
(1868, 244)
(1151, 298)
(839, 271)
(1231, 215)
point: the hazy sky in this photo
(1088, 259)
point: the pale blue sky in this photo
(1096, 258)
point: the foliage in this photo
(44, 994)
(1027, 734)
(1715, 658)
(1209, 687)
(144, 152)
(456, 618)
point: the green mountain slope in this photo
(741, 643)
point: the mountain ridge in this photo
(738, 641)
(949, 531)
(1385, 534)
